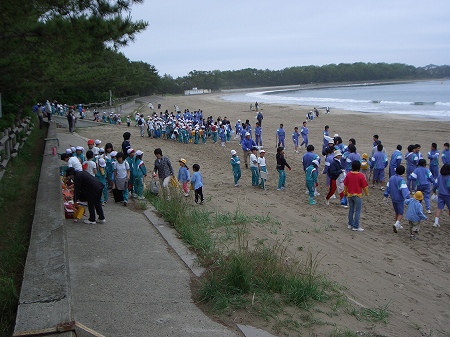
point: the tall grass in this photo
(259, 278)
(18, 190)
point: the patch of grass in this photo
(259, 278)
(379, 314)
(18, 190)
(343, 333)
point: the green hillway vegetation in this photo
(18, 190)
(290, 295)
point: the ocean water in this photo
(425, 99)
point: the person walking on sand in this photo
(254, 167)
(442, 186)
(163, 168)
(280, 136)
(399, 192)
(236, 167)
(311, 174)
(334, 171)
(247, 144)
(354, 184)
(281, 164)
(414, 214)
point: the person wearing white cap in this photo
(254, 166)
(262, 168)
(247, 144)
(236, 167)
(311, 174)
(139, 173)
(101, 177)
(72, 161)
(238, 128)
(97, 142)
(334, 171)
(79, 153)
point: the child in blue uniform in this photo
(442, 185)
(414, 214)
(304, 132)
(399, 192)
(280, 135)
(423, 178)
(184, 176)
(140, 172)
(377, 164)
(311, 173)
(197, 182)
(446, 154)
(412, 159)
(258, 135)
(295, 136)
(396, 160)
(433, 156)
(236, 167)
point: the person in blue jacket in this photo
(399, 192)
(424, 179)
(396, 160)
(412, 159)
(280, 136)
(377, 164)
(304, 131)
(446, 154)
(247, 144)
(414, 214)
(433, 156)
(442, 186)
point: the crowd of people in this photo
(348, 172)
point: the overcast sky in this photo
(235, 34)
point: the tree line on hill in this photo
(68, 51)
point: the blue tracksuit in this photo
(445, 157)
(281, 134)
(304, 131)
(258, 135)
(307, 159)
(351, 157)
(295, 136)
(423, 178)
(414, 212)
(433, 156)
(396, 160)
(378, 163)
(412, 159)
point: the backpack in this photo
(364, 165)
(140, 121)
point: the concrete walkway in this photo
(125, 280)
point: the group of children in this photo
(344, 165)
(124, 171)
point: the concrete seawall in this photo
(45, 296)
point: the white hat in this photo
(69, 151)
(79, 148)
(247, 134)
(101, 162)
(97, 142)
(336, 135)
(101, 150)
(239, 120)
(262, 151)
(130, 151)
(113, 153)
(73, 149)
(337, 153)
(233, 152)
(316, 162)
(139, 153)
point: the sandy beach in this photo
(377, 267)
